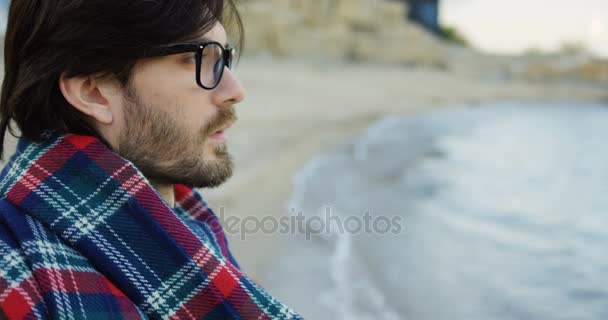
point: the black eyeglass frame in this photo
(197, 47)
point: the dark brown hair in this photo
(45, 38)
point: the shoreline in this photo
(295, 110)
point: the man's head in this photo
(127, 73)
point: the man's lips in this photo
(221, 133)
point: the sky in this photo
(512, 26)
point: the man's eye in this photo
(190, 59)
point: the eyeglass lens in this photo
(212, 65)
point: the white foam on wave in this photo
(505, 209)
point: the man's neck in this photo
(166, 191)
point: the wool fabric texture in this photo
(84, 235)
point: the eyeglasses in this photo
(211, 58)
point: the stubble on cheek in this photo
(165, 151)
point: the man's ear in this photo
(90, 95)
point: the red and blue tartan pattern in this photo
(83, 235)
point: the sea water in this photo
(504, 213)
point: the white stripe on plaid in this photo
(56, 248)
(190, 269)
(285, 312)
(62, 266)
(180, 278)
(124, 244)
(84, 227)
(57, 286)
(14, 259)
(205, 226)
(89, 222)
(73, 208)
(17, 169)
(130, 271)
(257, 302)
(163, 307)
(197, 289)
(185, 273)
(85, 223)
(217, 255)
(265, 311)
(196, 208)
(213, 238)
(119, 260)
(33, 246)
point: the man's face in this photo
(172, 129)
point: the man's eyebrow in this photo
(205, 39)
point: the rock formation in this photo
(361, 30)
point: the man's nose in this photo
(229, 91)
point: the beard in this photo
(166, 153)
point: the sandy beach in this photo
(296, 109)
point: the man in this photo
(122, 107)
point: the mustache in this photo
(221, 119)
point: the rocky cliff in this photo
(362, 30)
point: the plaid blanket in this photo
(83, 235)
